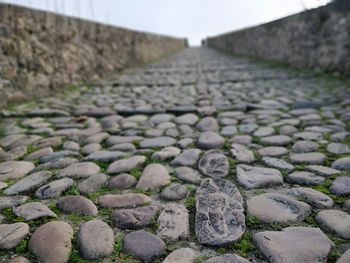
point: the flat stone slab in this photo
(188, 157)
(294, 244)
(51, 242)
(153, 177)
(341, 186)
(335, 221)
(95, 240)
(220, 216)
(251, 177)
(173, 223)
(134, 218)
(143, 245)
(313, 197)
(277, 208)
(308, 158)
(126, 165)
(29, 183)
(15, 169)
(54, 189)
(12, 234)
(124, 200)
(305, 178)
(34, 210)
(214, 164)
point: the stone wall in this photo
(42, 52)
(317, 39)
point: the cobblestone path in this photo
(200, 157)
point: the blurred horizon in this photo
(191, 19)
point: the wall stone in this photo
(318, 39)
(42, 52)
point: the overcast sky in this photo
(193, 19)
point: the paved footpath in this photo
(200, 157)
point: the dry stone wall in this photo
(42, 52)
(317, 39)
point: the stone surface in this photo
(157, 142)
(257, 177)
(188, 157)
(305, 178)
(92, 184)
(313, 197)
(277, 208)
(143, 245)
(153, 177)
(342, 163)
(335, 221)
(174, 191)
(95, 240)
(210, 140)
(51, 242)
(122, 181)
(34, 210)
(185, 255)
(309, 245)
(15, 169)
(220, 216)
(54, 189)
(214, 164)
(12, 234)
(134, 218)
(188, 174)
(80, 170)
(126, 165)
(77, 205)
(124, 200)
(227, 258)
(308, 158)
(242, 154)
(341, 185)
(11, 201)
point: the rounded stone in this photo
(174, 191)
(305, 178)
(19, 260)
(143, 245)
(78, 205)
(122, 181)
(341, 186)
(342, 163)
(335, 221)
(313, 197)
(54, 189)
(153, 177)
(188, 157)
(305, 147)
(210, 140)
(308, 158)
(162, 141)
(95, 240)
(51, 242)
(80, 170)
(12, 234)
(183, 255)
(214, 164)
(32, 211)
(273, 151)
(276, 140)
(92, 184)
(277, 208)
(126, 165)
(124, 200)
(15, 169)
(188, 174)
(134, 218)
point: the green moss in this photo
(311, 220)
(11, 217)
(136, 173)
(190, 203)
(200, 259)
(73, 190)
(252, 222)
(222, 250)
(103, 166)
(333, 256)
(30, 149)
(2, 132)
(77, 219)
(22, 247)
(245, 245)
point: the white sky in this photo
(194, 19)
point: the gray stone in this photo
(174, 191)
(308, 245)
(207, 124)
(242, 154)
(345, 258)
(19, 260)
(228, 131)
(166, 153)
(189, 119)
(210, 140)
(335, 221)
(220, 216)
(264, 131)
(105, 156)
(162, 141)
(322, 170)
(124, 200)
(91, 148)
(341, 186)
(305, 178)
(15, 169)
(56, 164)
(183, 255)
(188, 157)
(308, 136)
(340, 164)
(11, 201)
(34, 156)
(276, 140)
(32, 211)
(78, 205)
(92, 184)
(188, 174)
(79, 170)
(143, 245)
(153, 177)
(242, 139)
(51, 242)
(95, 240)
(257, 177)
(29, 183)
(338, 148)
(277, 208)
(277, 163)
(308, 158)
(12, 234)
(122, 181)
(313, 197)
(173, 223)
(134, 218)
(72, 146)
(305, 147)
(214, 164)
(273, 151)
(126, 165)
(54, 189)
(58, 155)
(227, 258)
